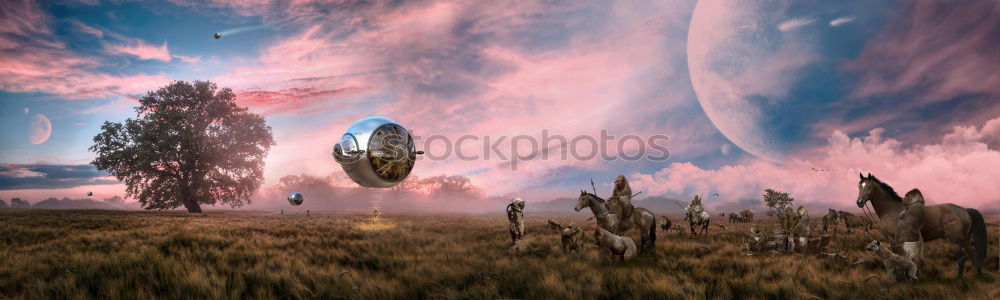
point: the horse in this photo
(666, 224)
(613, 245)
(642, 219)
(746, 216)
(964, 227)
(703, 222)
(854, 221)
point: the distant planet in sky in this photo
(764, 71)
(40, 129)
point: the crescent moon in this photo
(40, 129)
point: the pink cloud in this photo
(35, 61)
(141, 50)
(23, 16)
(945, 50)
(241, 7)
(87, 28)
(959, 169)
(432, 67)
(795, 23)
(189, 59)
(294, 100)
(930, 54)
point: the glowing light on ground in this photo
(382, 225)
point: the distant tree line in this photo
(19, 203)
(15, 203)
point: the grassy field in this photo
(116, 254)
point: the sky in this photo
(907, 91)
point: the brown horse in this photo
(642, 220)
(854, 221)
(964, 227)
(746, 216)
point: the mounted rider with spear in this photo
(609, 213)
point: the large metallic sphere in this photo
(376, 152)
(295, 198)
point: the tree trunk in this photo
(192, 205)
(190, 202)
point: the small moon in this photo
(40, 129)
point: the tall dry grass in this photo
(109, 254)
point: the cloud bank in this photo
(41, 176)
(960, 168)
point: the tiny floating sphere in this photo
(376, 152)
(295, 198)
(90, 194)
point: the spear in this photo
(679, 204)
(593, 186)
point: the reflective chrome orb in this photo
(295, 198)
(376, 152)
(90, 194)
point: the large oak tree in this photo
(190, 144)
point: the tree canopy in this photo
(190, 144)
(777, 202)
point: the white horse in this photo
(701, 219)
(612, 245)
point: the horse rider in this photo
(515, 214)
(620, 203)
(694, 209)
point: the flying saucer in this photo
(295, 198)
(217, 35)
(376, 152)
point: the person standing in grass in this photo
(911, 220)
(515, 215)
(801, 230)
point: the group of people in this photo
(797, 223)
(619, 206)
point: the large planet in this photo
(40, 129)
(756, 66)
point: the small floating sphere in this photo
(295, 198)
